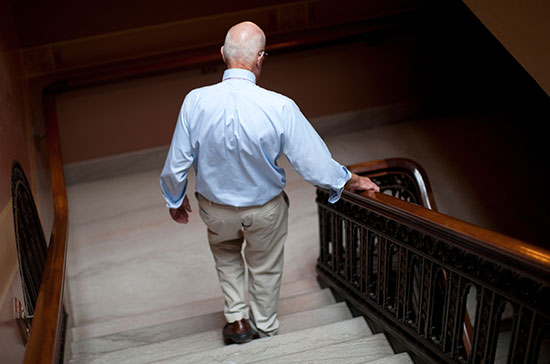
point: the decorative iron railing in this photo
(444, 290)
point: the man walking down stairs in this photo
(233, 134)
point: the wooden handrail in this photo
(403, 165)
(45, 338)
(503, 248)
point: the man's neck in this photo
(247, 67)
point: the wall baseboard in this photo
(115, 165)
(371, 118)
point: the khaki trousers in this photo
(264, 228)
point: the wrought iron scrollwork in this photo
(400, 186)
(31, 244)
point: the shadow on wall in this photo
(498, 152)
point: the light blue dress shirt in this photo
(233, 133)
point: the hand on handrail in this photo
(181, 214)
(359, 183)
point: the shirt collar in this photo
(239, 73)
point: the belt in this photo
(211, 203)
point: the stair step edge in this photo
(401, 358)
(195, 346)
(125, 341)
(356, 351)
(266, 348)
(165, 315)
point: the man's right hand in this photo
(181, 214)
(359, 183)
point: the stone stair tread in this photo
(188, 310)
(213, 321)
(272, 347)
(316, 317)
(361, 350)
(142, 347)
(401, 358)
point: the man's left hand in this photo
(181, 214)
(360, 183)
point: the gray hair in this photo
(244, 42)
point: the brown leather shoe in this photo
(237, 332)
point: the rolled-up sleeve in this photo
(335, 194)
(173, 179)
(309, 155)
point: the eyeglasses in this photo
(264, 53)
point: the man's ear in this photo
(260, 61)
(223, 56)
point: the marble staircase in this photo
(143, 289)
(314, 328)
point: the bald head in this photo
(243, 44)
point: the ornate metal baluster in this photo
(382, 273)
(485, 326)
(522, 340)
(350, 249)
(321, 212)
(413, 292)
(364, 262)
(356, 255)
(439, 305)
(402, 283)
(334, 240)
(423, 323)
(455, 315)
(373, 252)
(392, 280)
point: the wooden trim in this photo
(280, 43)
(45, 339)
(178, 37)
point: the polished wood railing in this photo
(401, 178)
(415, 273)
(47, 334)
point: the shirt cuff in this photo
(173, 202)
(336, 194)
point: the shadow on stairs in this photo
(314, 328)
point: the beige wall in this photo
(141, 114)
(523, 27)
